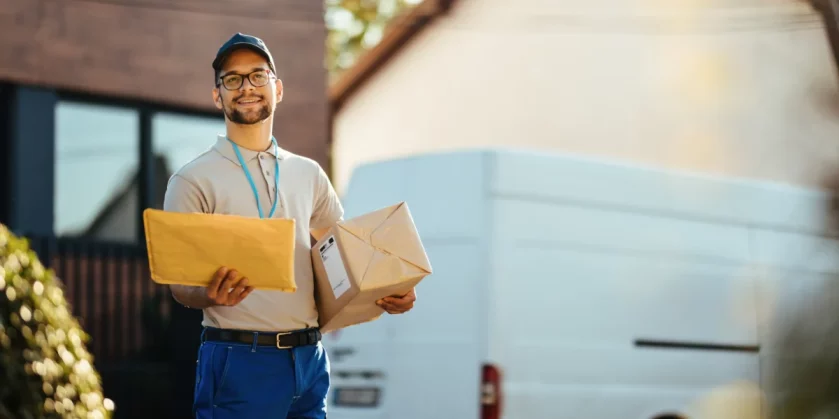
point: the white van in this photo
(574, 288)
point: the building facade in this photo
(100, 102)
(744, 88)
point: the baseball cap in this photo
(240, 40)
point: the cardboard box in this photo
(188, 248)
(363, 259)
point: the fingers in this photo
(227, 288)
(240, 292)
(238, 288)
(396, 309)
(395, 304)
(393, 309)
(228, 285)
(215, 284)
(244, 294)
(412, 296)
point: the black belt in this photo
(280, 340)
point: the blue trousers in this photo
(243, 381)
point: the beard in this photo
(247, 117)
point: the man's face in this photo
(245, 103)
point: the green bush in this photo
(46, 370)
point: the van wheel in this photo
(670, 416)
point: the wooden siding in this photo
(160, 51)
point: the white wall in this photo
(737, 87)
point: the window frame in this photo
(146, 165)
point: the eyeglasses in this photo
(258, 78)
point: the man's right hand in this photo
(227, 288)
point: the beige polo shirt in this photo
(215, 183)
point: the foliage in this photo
(46, 370)
(356, 26)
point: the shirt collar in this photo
(225, 147)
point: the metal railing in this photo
(143, 344)
(111, 293)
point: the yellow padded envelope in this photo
(188, 248)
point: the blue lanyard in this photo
(253, 185)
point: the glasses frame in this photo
(220, 81)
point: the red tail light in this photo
(491, 392)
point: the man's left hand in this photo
(398, 304)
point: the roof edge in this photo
(400, 31)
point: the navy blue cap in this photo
(241, 40)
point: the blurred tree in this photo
(46, 370)
(355, 26)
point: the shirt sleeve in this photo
(183, 196)
(327, 208)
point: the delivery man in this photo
(261, 355)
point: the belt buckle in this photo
(278, 340)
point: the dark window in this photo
(176, 140)
(96, 171)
